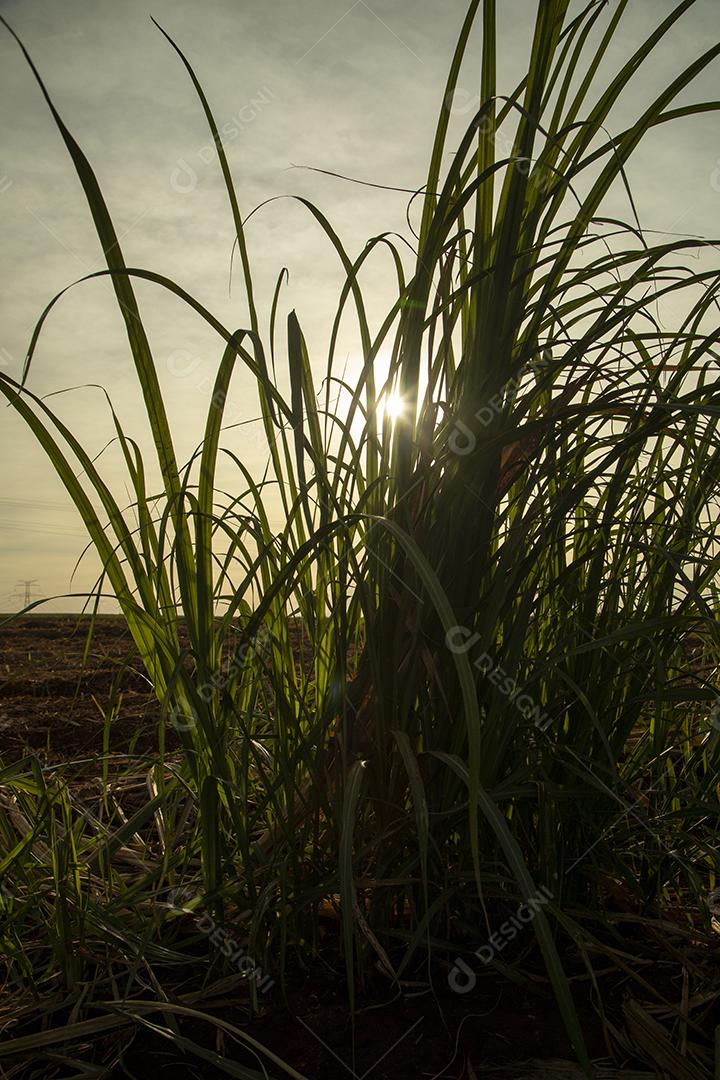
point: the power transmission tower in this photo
(26, 585)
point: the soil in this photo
(417, 1035)
(52, 698)
(52, 704)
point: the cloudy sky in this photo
(353, 89)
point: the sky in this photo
(352, 89)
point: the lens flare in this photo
(393, 406)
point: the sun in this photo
(393, 406)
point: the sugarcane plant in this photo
(491, 590)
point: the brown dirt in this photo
(419, 1035)
(51, 699)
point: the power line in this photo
(49, 504)
(40, 527)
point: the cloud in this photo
(354, 89)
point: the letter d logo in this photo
(183, 178)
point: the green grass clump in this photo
(459, 671)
